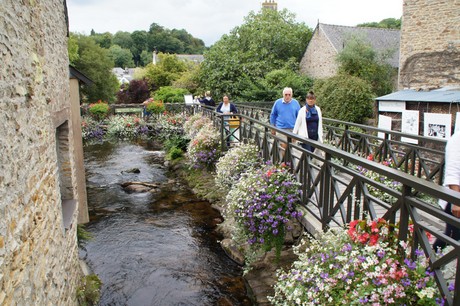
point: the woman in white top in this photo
(309, 122)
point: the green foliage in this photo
(388, 23)
(168, 69)
(99, 110)
(104, 40)
(82, 234)
(345, 98)
(72, 48)
(170, 94)
(176, 141)
(271, 87)
(89, 292)
(123, 39)
(265, 42)
(359, 59)
(136, 91)
(121, 57)
(94, 62)
(174, 153)
(155, 107)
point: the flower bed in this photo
(364, 264)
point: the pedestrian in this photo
(227, 108)
(309, 123)
(284, 114)
(207, 100)
(452, 181)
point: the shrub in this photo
(195, 123)
(345, 98)
(128, 127)
(91, 129)
(364, 264)
(170, 94)
(175, 153)
(235, 162)
(99, 110)
(155, 107)
(262, 202)
(204, 149)
(169, 126)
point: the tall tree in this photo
(121, 57)
(123, 39)
(265, 42)
(95, 63)
(359, 59)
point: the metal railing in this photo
(336, 191)
(417, 155)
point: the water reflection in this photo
(153, 248)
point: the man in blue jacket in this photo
(284, 114)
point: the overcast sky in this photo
(210, 19)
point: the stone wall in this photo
(430, 44)
(319, 58)
(38, 253)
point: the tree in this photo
(123, 39)
(359, 59)
(344, 98)
(95, 63)
(103, 39)
(136, 92)
(121, 57)
(388, 23)
(265, 42)
(170, 94)
(139, 43)
(168, 69)
(72, 48)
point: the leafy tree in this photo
(123, 39)
(388, 23)
(121, 57)
(265, 42)
(346, 98)
(136, 92)
(168, 69)
(170, 94)
(103, 39)
(95, 63)
(72, 48)
(146, 58)
(359, 59)
(189, 79)
(139, 43)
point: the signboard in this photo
(437, 125)
(188, 99)
(410, 125)
(384, 124)
(392, 106)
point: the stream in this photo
(157, 247)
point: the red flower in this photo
(370, 157)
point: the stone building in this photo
(39, 196)
(429, 70)
(319, 60)
(430, 44)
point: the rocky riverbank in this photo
(262, 276)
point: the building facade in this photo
(39, 197)
(430, 44)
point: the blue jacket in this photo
(284, 115)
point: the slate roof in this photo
(380, 39)
(444, 95)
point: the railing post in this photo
(325, 191)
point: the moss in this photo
(82, 234)
(89, 292)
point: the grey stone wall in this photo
(319, 58)
(430, 44)
(38, 257)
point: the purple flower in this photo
(410, 264)
(418, 252)
(406, 282)
(380, 254)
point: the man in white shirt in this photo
(451, 180)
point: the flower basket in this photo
(234, 122)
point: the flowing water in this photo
(153, 248)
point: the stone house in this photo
(41, 200)
(429, 69)
(319, 60)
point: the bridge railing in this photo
(417, 155)
(337, 189)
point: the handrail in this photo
(335, 192)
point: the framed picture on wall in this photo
(437, 125)
(410, 125)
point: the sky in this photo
(210, 19)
